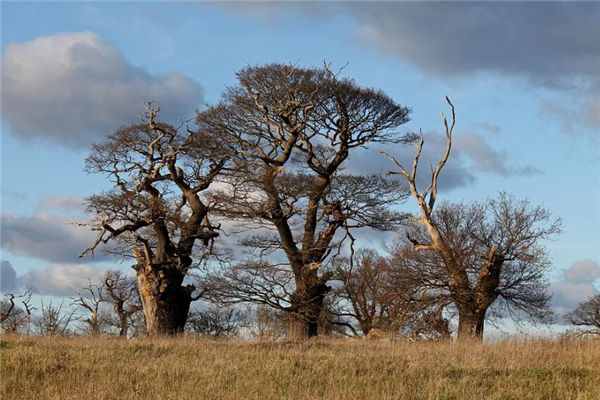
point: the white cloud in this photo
(67, 204)
(566, 296)
(583, 271)
(577, 286)
(74, 88)
(61, 280)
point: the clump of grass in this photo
(185, 368)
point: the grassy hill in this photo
(184, 368)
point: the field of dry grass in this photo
(183, 368)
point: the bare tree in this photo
(480, 253)
(216, 322)
(11, 315)
(259, 282)
(367, 293)
(120, 291)
(374, 293)
(54, 320)
(586, 316)
(428, 324)
(155, 210)
(90, 300)
(293, 129)
(266, 323)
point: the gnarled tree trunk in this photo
(165, 302)
(306, 307)
(470, 325)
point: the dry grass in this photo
(198, 369)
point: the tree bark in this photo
(300, 328)
(124, 329)
(470, 325)
(165, 302)
(306, 308)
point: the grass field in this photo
(183, 368)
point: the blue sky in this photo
(525, 80)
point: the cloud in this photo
(577, 285)
(69, 204)
(566, 296)
(470, 152)
(487, 159)
(554, 45)
(572, 115)
(13, 195)
(591, 108)
(73, 88)
(549, 43)
(45, 236)
(61, 280)
(583, 271)
(8, 277)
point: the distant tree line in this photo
(266, 165)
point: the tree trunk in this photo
(470, 325)
(306, 308)
(124, 328)
(300, 328)
(165, 302)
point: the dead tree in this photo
(13, 316)
(293, 129)
(155, 210)
(54, 320)
(90, 300)
(586, 316)
(121, 292)
(484, 251)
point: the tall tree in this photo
(293, 129)
(477, 254)
(155, 211)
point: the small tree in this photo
(266, 323)
(155, 211)
(374, 293)
(216, 322)
(479, 253)
(120, 291)
(54, 320)
(90, 300)
(293, 129)
(12, 316)
(586, 316)
(367, 294)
